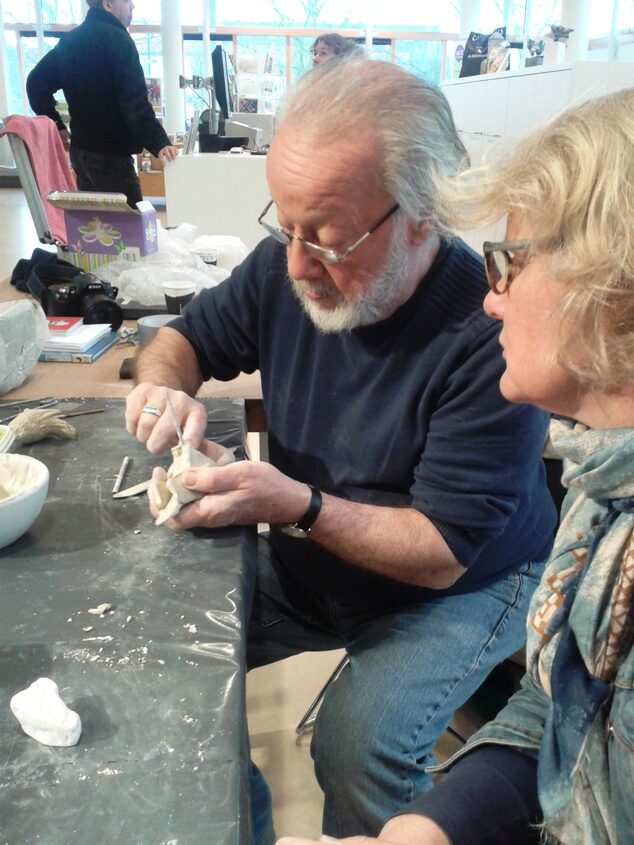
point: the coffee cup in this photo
(178, 294)
(148, 326)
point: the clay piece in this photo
(35, 424)
(44, 716)
(18, 477)
(171, 495)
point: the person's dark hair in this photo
(337, 43)
(95, 4)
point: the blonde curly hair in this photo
(572, 182)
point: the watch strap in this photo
(314, 506)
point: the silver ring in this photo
(150, 409)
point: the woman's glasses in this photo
(502, 264)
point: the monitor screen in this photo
(224, 80)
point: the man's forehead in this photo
(320, 164)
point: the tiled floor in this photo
(277, 695)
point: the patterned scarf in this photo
(581, 616)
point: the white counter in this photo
(220, 193)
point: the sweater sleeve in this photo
(134, 102)
(482, 454)
(489, 797)
(43, 81)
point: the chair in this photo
(42, 167)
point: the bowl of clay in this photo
(23, 489)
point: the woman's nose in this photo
(494, 304)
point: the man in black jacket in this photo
(97, 66)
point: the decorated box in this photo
(101, 227)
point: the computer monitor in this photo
(224, 81)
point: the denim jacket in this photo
(575, 708)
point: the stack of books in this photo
(71, 340)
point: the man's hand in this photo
(157, 430)
(166, 154)
(64, 134)
(242, 493)
(408, 829)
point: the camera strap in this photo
(43, 275)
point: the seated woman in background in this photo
(332, 44)
(558, 760)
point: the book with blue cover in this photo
(86, 357)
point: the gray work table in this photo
(158, 682)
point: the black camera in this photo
(85, 296)
(65, 291)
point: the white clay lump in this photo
(18, 477)
(44, 716)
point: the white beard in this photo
(379, 300)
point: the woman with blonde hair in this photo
(557, 763)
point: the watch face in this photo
(293, 531)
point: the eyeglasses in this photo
(501, 263)
(321, 253)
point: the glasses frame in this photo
(500, 284)
(325, 254)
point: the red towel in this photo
(49, 162)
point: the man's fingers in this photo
(220, 454)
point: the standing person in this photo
(561, 753)
(408, 510)
(97, 66)
(332, 44)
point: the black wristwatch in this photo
(301, 528)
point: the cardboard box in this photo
(102, 227)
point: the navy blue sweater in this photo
(406, 412)
(97, 65)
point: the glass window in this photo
(147, 11)
(149, 46)
(15, 103)
(17, 11)
(63, 11)
(626, 16)
(422, 58)
(545, 12)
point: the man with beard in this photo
(97, 66)
(406, 497)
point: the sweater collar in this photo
(101, 16)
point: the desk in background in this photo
(220, 193)
(101, 378)
(158, 683)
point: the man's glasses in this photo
(321, 253)
(501, 263)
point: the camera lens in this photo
(62, 300)
(99, 308)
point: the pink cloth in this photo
(49, 162)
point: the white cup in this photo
(148, 326)
(177, 294)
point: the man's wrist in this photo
(301, 528)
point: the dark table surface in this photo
(158, 682)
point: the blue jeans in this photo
(409, 670)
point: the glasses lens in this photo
(279, 234)
(321, 253)
(496, 267)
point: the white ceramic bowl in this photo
(23, 489)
